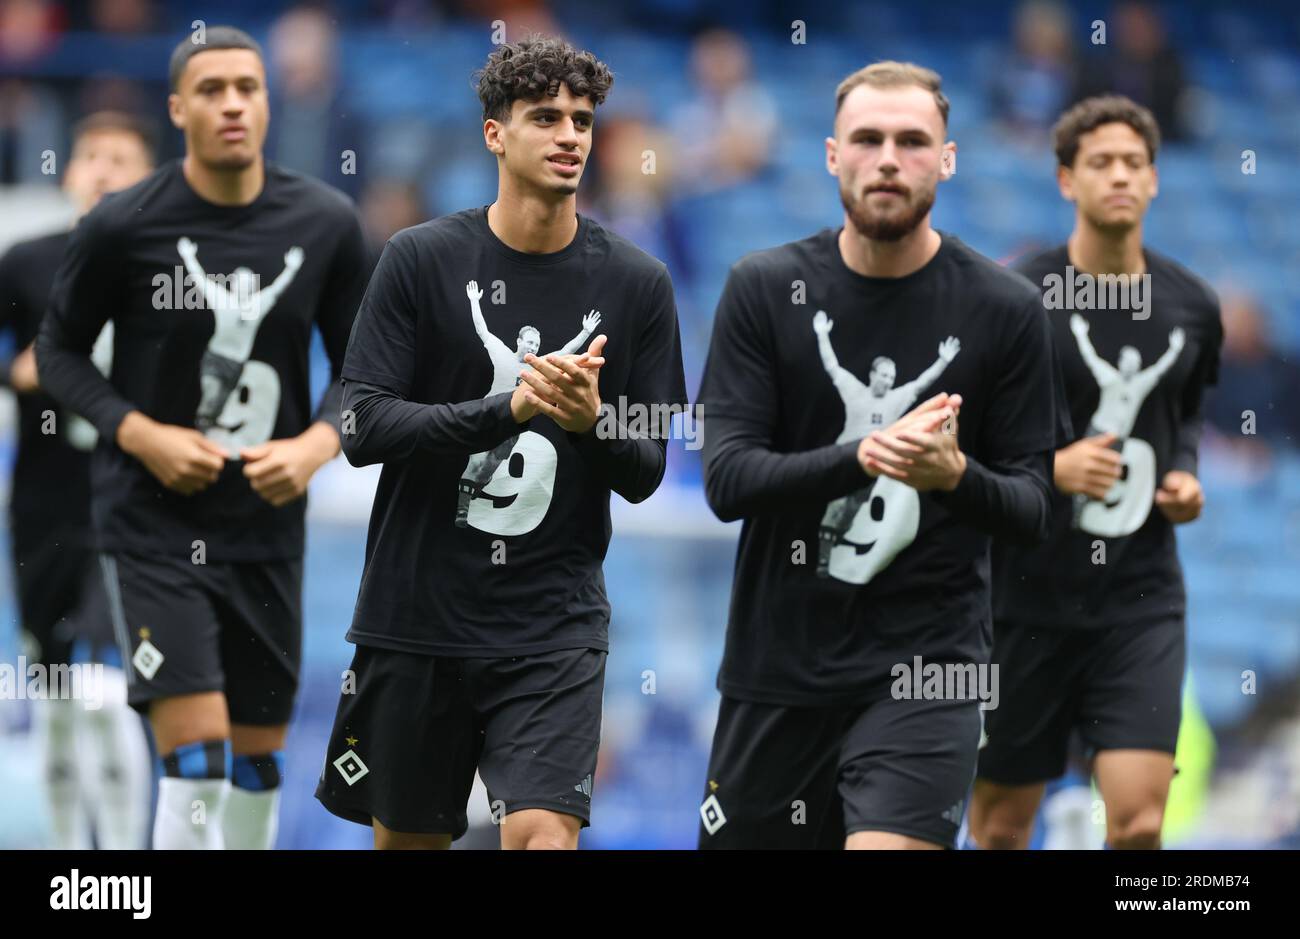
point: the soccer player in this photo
(817, 743)
(96, 759)
(1090, 631)
(482, 628)
(208, 438)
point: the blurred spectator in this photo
(724, 133)
(407, 14)
(31, 115)
(1139, 62)
(631, 188)
(31, 124)
(1035, 85)
(28, 29)
(388, 206)
(310, 128)
(122, 17)
(1253, 376)
(521, 17)
(122, 21)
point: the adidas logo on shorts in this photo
(584, 787)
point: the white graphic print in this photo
(81, 433)
(240, 398)
(863, 531)
(507, 490)
(1123, 390)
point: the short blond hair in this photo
(891, 74)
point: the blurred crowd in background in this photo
(711, 145)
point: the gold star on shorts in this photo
(352, 741)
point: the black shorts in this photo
(807, 777)
(61, 599)
(1119, 688)
(411, 732)
(186, 628)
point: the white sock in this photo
(116, 757)
(251, 819)
(189, 814)
(68, 822)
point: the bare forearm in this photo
(322, 440)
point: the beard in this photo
(892, 227)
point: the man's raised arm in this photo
(589, 324)
(948, 350)
(1102, 371)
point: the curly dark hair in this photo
(535, 66)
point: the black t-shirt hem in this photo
(457, 650)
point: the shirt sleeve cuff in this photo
(113, 416)
(499, 407)
(967, 488)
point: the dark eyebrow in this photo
(545, 109)
(905, 132)
(1122, 154)
(208, 80)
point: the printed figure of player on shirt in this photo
(1123, 390)
(505, 375)
(238, 312)
(867, 407)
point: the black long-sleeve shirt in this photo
(1138, 371)
(381, 426)
(213, 309)
(630, 462)
(838, 574)
(487, 536)
(743, 477)
(389, 427)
